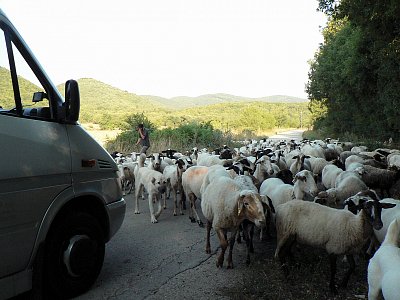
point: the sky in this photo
(168, 48)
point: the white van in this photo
(60, 197)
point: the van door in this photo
(35, 161)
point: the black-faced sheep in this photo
(338, 231)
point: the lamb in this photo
(225, 206)
(347, 184)
(384, 266)
(338, 231)
(126, 176)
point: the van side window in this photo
(30, 100)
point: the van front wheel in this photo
(74, 255)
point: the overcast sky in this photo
(170, 48)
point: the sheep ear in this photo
(387, 205)
(241, 203)
(320, 200)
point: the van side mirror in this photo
(72, 101)
(39, 96)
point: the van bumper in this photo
(116, 214)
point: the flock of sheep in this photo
(325, 194)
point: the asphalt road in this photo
(167, 260)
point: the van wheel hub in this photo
(79, 255)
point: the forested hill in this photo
(184, 102)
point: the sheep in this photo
(387, 217)
(246, 183)
(264, 168)
(225, 206)
(376, 178)
(286, 176)
(338, 231)
(393, 160)
(384, 266)
(347, 184)
(127, 176)
(156, 163)
(173, 176)
(214, 171)
(312, 150)
(207, 160)
(317, 164)
(280, 193)
(192, 180)
(300, 164)
(329, 175)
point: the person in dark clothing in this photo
(143, 138)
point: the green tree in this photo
(355, 72)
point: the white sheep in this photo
(265, 168)
(384, 266)
(338, 231)
(347, 184)
(393, 160)
(173, 176)
(207, 160)
(225, 206)
(192, 180)
(279, 192)
(329, 175)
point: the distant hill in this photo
(184, 102)
(108, 106)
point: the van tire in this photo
(74, 255)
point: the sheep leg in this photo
(248, 233)
(350, 259)
(197, 216)
(183, 198)
(208, 246)
(192, 199)
(138, 190)
(231, 244)
(224, 244)
(239, 237)
(332, 286)
(283, 250)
